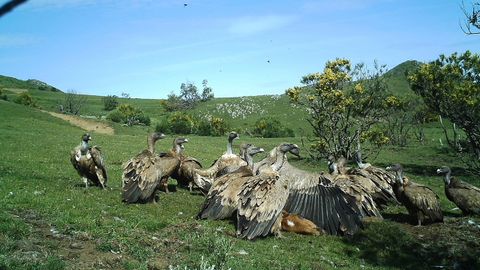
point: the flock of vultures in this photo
(271, 195)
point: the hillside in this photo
(240, 112)
(16, 85)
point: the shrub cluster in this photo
(271, 128)
(3, 95)
(183, 123)
(129, 115)
(25, 99)
(110, 103)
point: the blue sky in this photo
(147, 48)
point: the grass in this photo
(49, 221)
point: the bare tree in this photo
(73, 102)
(472, 24)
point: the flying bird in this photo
(88, 161)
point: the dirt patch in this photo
(77, 249)
(89, 125)
(16, 90)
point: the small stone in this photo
(242, 252)
(118, 219)
(76, 245)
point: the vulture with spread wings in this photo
(278, 186)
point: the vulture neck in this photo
(229, 147)
(399, 175)
(178, 149)
(281, 158)
(151, 144)
(249, 160)
(84, 147)
(448, 178)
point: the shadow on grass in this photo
(438, 246)
(426, 170)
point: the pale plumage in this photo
(88, 161)
(222, 199)
(204, 178)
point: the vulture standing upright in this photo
(464, 195)
(88, 162)
(421, 202)
(204, 178)
(222, 198)
(147, 172)
(278, 187)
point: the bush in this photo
(129, 115)
(271, 128)
(163, 127)
(181, 123)
(25, 99)
(116, 117)
(110, 103)
(3, 95)
(215, 127)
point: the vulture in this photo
(359, 187)
(145, 173)
(186, 171)
(280, 187)
(382, 180)
(88, 162)
(421, 202)
(222, 198)
(464, 195)
(204, 178)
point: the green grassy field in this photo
(48, 220)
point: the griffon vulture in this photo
(279, 187)
(222, 198)
(88, 162)
(421, 202)
(464, 195)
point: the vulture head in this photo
(445, 171)
(232, 136)
(252, 150)
(295, 150)
(398, 169)
(86, 137)
(288, 147)
(178, 143)
(157, 136)
(243, 149)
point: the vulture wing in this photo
(327, 206)
(141, 177)
(423, 198)
(100, 169)
(261, 203)
(222, 199)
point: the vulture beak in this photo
(388, 168)
(439, 171)
(261, 150)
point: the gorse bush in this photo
(271, 128)
(129, 115)
(3, 95)
(25, 99)
(110, 103)
(181, 123)
(216, 126)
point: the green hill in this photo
(240, 112)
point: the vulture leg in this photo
(164, 183)
(85, 180)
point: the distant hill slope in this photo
(397, 78)
(240, 112)
(16, 85)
